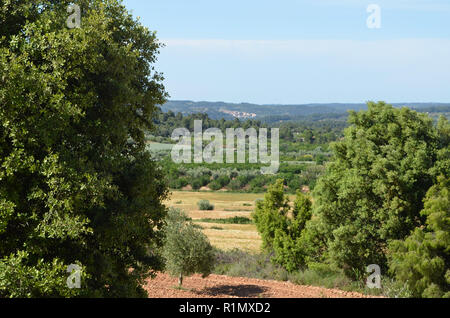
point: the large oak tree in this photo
(76, 185)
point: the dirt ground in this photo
(217, 286)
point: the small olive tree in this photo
(186, 249)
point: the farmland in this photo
(226, 205)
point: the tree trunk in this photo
(180, 280)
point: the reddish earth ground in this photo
(217, 286)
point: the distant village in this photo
(237, 114)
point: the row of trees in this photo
(383, 200)
(166, 123)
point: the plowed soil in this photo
(217, 286)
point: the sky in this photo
(301, 51)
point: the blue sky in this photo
(303, 51)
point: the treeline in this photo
(304, 149)
(305, 131)
(383, 200)
(238, 177)
(165, 123)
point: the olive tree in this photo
(186, 249)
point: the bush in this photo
(235, 185)
(238, 263)
(223, 181)
(196, 184)
(178, 183)
(215, 185)
(204, 205)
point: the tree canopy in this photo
(422, 260)
(373, 191)
(76, 185)
(186, 249)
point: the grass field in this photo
(226, 205)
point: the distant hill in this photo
(218, 110)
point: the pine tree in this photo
(422, 260)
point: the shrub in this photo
(235, 185)
(238, 263)
(215, 185)
(178, 183)
(223, 181)
(204, 205)
(196, 184)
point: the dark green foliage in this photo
(233, 220)
(178, 183)
(215, 185)
(76, 186)
(422, 260)
(372, 192)
(270, 214)
(288, 244)
(235, 185)
(281, 227)
(186, 249)
(197, 184)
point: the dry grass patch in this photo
(227, 205)
(231, 236)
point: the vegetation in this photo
(85, 168)
(372, 192)
(303, 154)
(233, 220)
(372, 204)
(422, 260)
(76, 186)
(281, 226)
(186, 249)
(238, 263)
(204, 205)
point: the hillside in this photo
(271, 112)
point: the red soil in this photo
(218, 286)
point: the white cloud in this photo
(356, 49)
